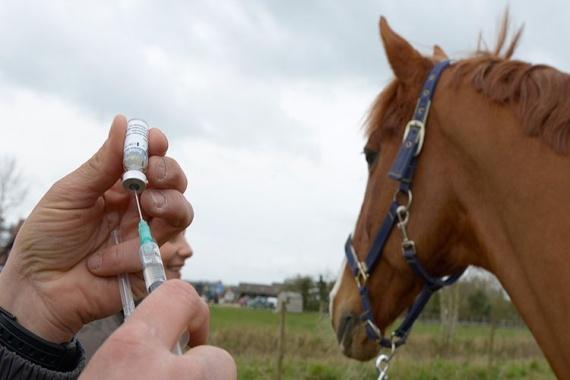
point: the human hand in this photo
(46, 283)
(141, 348)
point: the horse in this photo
(490, 190)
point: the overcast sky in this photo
(263, 103)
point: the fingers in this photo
(116, 259)
(163, 202)
(158, 143)
(169, 211)
(165, 173)
(205, 362)
(171, 309)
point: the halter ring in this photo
(407, 194)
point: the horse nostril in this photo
(347, 323)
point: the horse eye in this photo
(370, 155)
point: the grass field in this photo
(312, 353)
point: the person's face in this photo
(174, 253)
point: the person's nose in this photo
(185, 251)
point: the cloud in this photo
(262, 102)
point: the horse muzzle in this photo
(352, 338)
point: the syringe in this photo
(149, 253)
(135, 162)
(124, 285)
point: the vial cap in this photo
(134, 180)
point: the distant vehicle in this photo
(260, 303)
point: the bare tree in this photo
(13, 190)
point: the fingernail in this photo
(158, 198)
(94, 262)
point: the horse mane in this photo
(538, 94)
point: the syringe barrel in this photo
(153, 272)
(153, 269)
(135, 155)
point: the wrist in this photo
(21, 300)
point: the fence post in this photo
(449, 314)
(281, 343)
(492, 339)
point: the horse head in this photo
(438, 221)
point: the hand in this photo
(140, 349)
(46, 283)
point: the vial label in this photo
(137, 134)
(135, 154)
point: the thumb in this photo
(104, 168)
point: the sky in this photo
(263, 103)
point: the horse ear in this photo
(439, 54)
(406, 62)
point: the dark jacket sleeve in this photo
(14, 367)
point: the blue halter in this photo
(402, 171)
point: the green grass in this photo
(313, 354)
(234, 317)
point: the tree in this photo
(323, 294)
(12, 188)
(12, 192)
(479, 305)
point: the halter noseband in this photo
(398, 214)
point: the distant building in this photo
(250, 290)
(230, 296)
(293, 301)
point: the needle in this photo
(138, 204)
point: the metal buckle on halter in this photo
(383, 360)
(362, 274)
(421, 134)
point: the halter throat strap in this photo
(398, 214)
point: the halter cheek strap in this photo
(398, 214)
